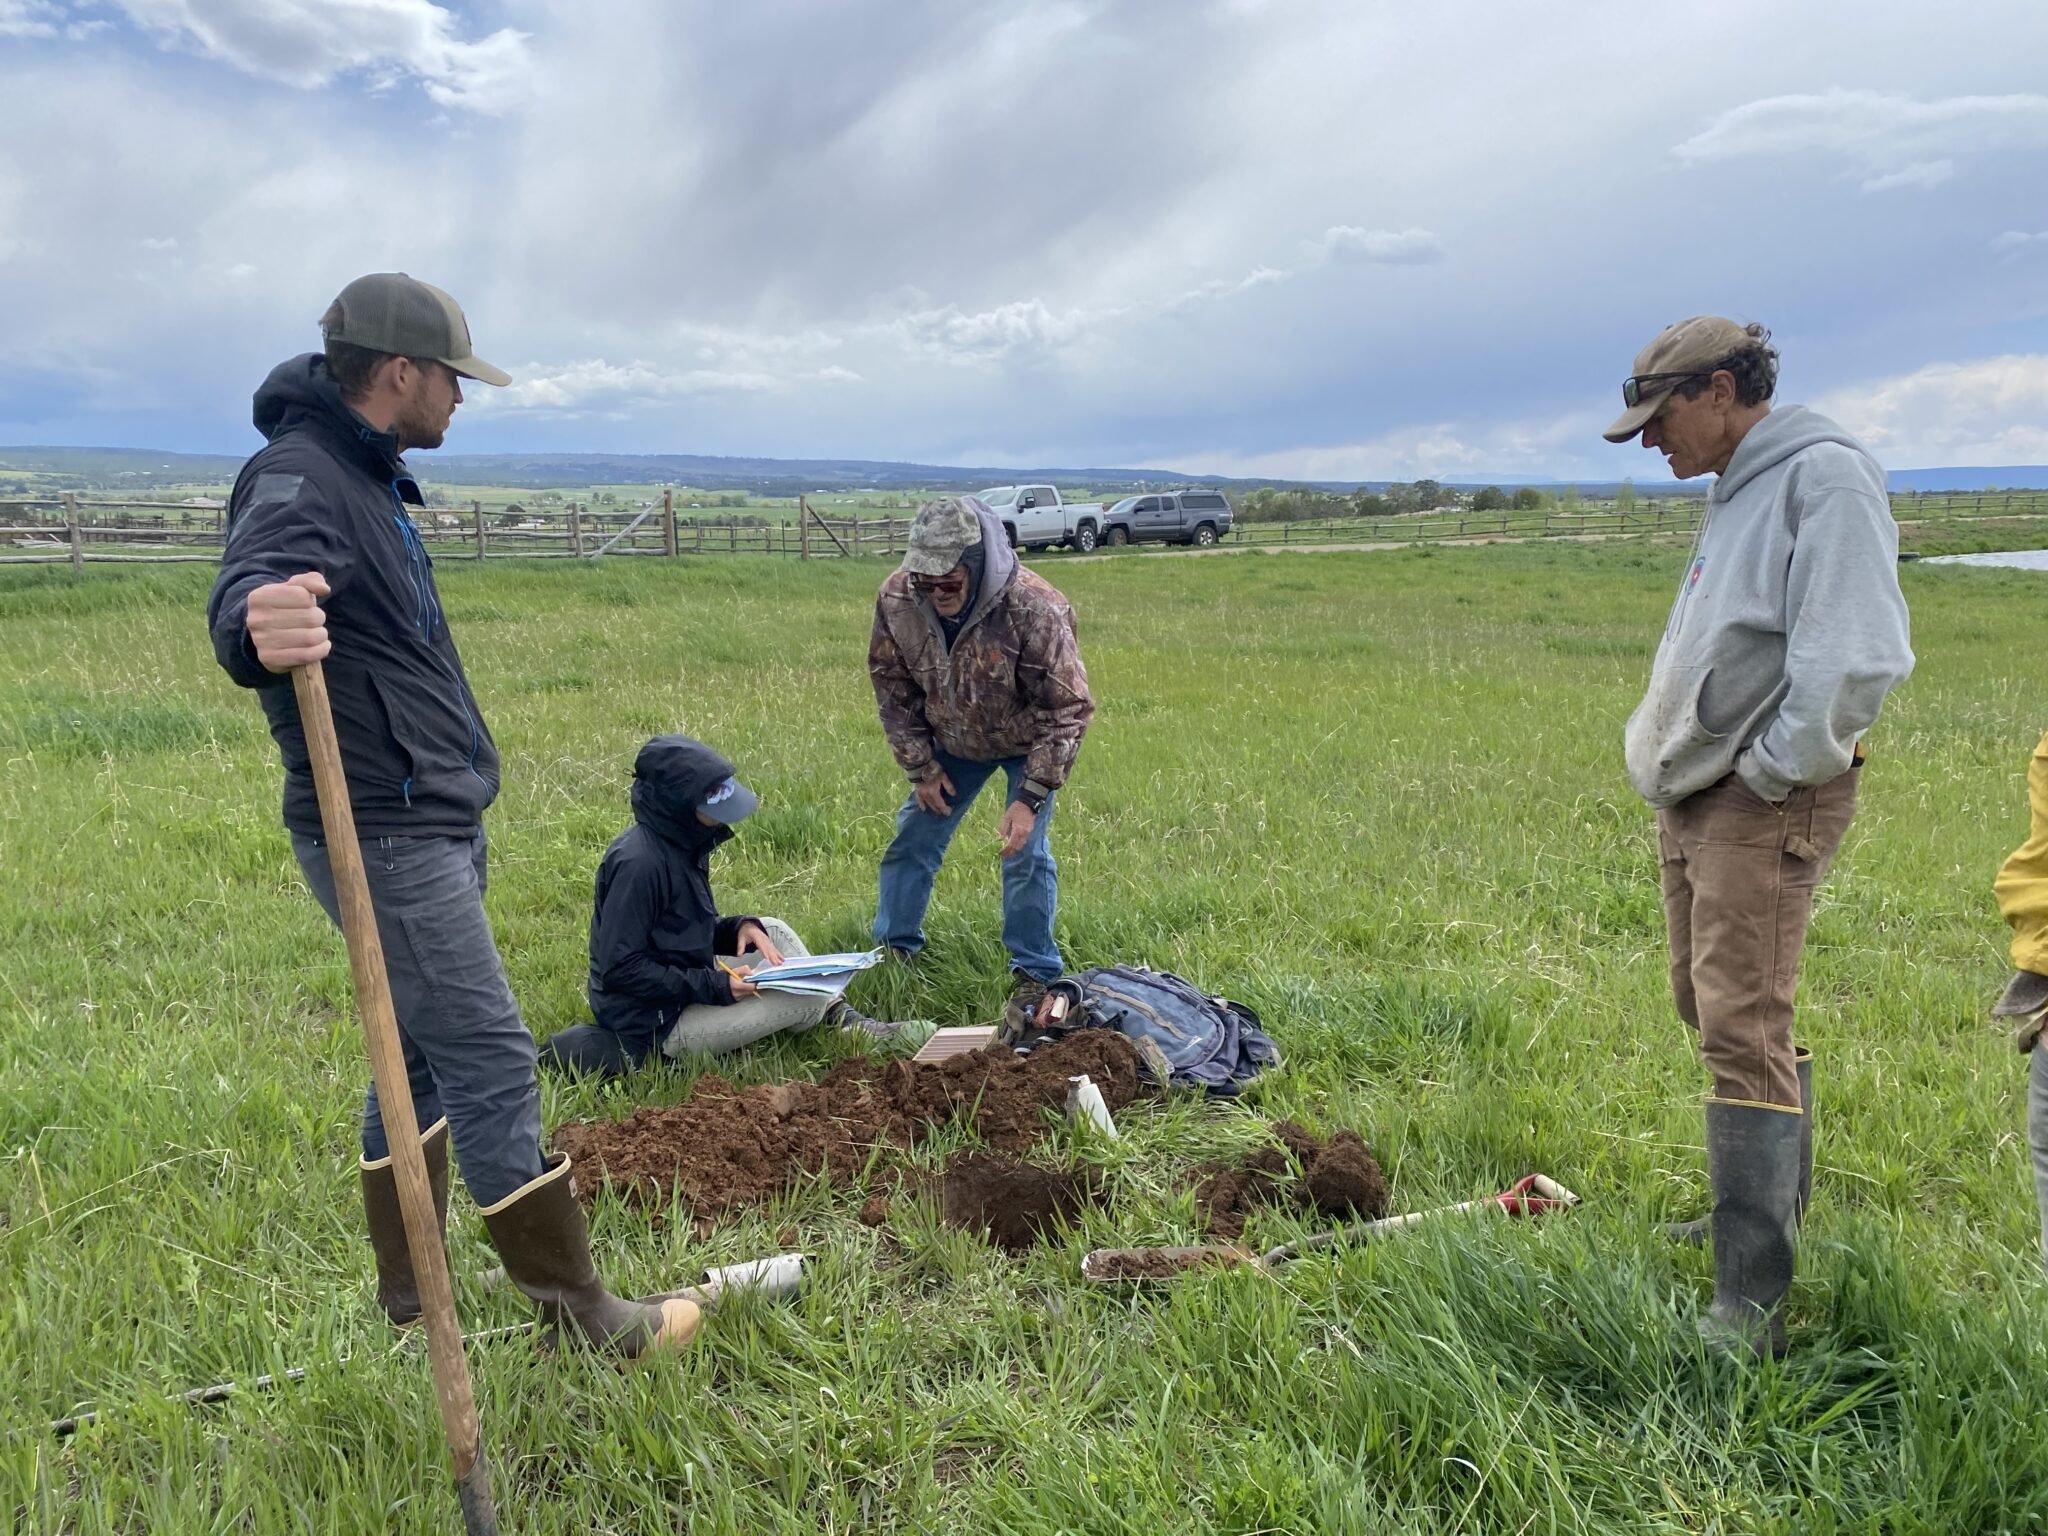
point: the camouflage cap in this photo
(392, 312)
(939, 534)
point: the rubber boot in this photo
(398, 1292)
(1753, 1155)
(1694, 1233)
(1803, 1064)
(539, 1231)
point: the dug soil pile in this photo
(728, 1147)
(1338, 1178)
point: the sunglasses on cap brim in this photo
(1633, 390)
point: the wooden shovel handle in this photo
(394, 1100)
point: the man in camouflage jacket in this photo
(975, 669)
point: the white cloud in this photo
(1026, 325)
(1888, 140)
(1991, 411)
(158, 243)
(594, 385)
(1094, 231)
(1404, 247)
(30, 18)
(308, 43)
(1434, 450)
(2015, 243)
(1921, 173)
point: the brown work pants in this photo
(1739, 875)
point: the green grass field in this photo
(1378, 796)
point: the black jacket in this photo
(329, 493)
(655, 929)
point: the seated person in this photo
(656, 976)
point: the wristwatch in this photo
(1032, 795)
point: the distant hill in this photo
(136, 469)
(2001, 477)
(110, 469)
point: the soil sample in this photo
(1338, 1177)
(727, 1147)
(1013, 1204)
(1157, 1263)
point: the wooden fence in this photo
(1434, 527)
(79, 531)
(1661, 514)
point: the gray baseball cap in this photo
(729, 801)
(391, 312)
(940, 533)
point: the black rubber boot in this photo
(1694, 1233)
(539, 1231)
(398, 1292)
(1753, 1153)
(1804, 1065)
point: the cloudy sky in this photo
(1305, 238)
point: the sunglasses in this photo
(1633, 389)
(952, 581)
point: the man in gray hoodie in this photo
(1788, 631)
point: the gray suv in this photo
(1171, 517)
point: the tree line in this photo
(1271, 505)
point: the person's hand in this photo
(738, 983)
(932, 793)
(753, 936)
(1018, 820)
(287, 627)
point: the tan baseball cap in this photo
(391, 312)
(1681, 352)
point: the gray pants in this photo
(715, 1030)
(467, 1052)
(697, 1029)
(2037, 1136)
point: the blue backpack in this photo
(1184, 1038)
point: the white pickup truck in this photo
(1035, 517)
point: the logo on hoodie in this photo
(1699, 567)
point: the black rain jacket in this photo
(329, 493)
(655, 929)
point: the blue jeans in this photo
(468, 1054)
(1031, 887)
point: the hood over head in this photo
(301, 392)
(998, 561)
(671, 777)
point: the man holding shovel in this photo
(976, 670)
(1788, 631)
(324, 564)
